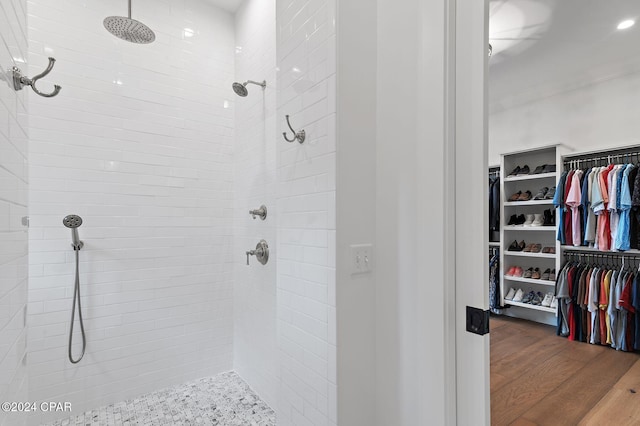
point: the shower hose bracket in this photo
(20, 80)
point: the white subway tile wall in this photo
(306, 52)
(140, 144)
(255, 344)
(13, 206)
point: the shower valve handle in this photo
(261, 252)
(261, 212)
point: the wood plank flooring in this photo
(538, 378)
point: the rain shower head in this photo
(241, 88)
(129, 29)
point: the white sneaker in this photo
(519, 295)
(529, 220)
(510, 294)
(547, 299)
(538, 221)
(554, 303)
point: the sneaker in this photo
(539, 169)
(525, 196)
(527, 249)
(536, 274)
(535, 248)
(514, 172)
(518, 272)
(515, 196)
(537, 221)
(550, 193)
(540, 195)
(545, 275)
(537, 299)
(520, 220)
(554, 303)
(514, 218)
(546, 302)
(527, 273)
(523, 171)
(510, 294)
(518, 296)
(528, 297)
(510, 271)
(529, 221)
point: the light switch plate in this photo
(361, 258)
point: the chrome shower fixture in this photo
(129, 29)
(73, 222)
(241, 88)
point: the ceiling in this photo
(543, 47)
(228, 5)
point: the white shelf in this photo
(530, 177)
(528, 203)
(529, 306)
(529, 254)
(596, 251)
(494, 243)
(530, 280)
(529, 228)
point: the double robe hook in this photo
(299, 136)
(19, 80)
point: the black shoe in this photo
(521, 220)
(549, 168)
(512, 220)
(539, 169)
(548, 219)
(514, 246)
(523, 171)
(514, 172)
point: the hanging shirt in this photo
(611, 309)
(604, 230)
(558, 202)
(603, 304)
(590, 227)
(613, 204)
(573, 201)
(623, 239)
(635, 296)
(566, 212)
(584, 203)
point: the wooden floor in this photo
(538, 378)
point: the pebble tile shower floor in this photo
(223, 400)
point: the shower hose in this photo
(76, 299)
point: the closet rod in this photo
(595, 157)
(604, 255)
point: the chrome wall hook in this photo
(299, 136)
(19, 80)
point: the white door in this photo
(471, 189)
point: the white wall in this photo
(356, 210)
(139, 143)
(306, 213)
(593, 117)
(13, 206)
(254, 320)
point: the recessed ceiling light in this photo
(626, 24)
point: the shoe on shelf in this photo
(548, 221)
(549, 168)
(554, 303)
(550, 193)
(527, 249)
(519, 295)
(539, 169)
(537, 221)
(515, 196)
(522, 245)
(552, 275)
(510, 271)
(514, 172)
(528, 297)
(549, 250)
(536, 274)
(514, 246)
(518, 272)
(546, 302)
(536, 248)
(537, 299)
(512, 220)
(529, 220)
(510, 294)
(527, 273)
(545, 275)
(520, 220)
(523, 171)
(525, 196)
(540, 195)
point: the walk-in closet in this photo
(564, 211)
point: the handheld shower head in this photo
(73, 222)
(241, 88)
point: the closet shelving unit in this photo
(544, 235)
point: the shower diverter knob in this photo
(261, 252)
